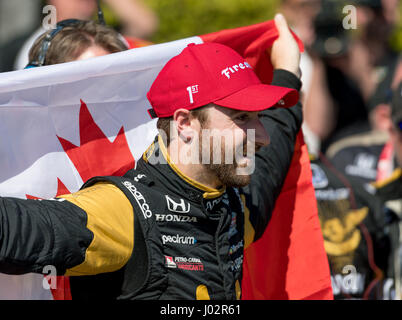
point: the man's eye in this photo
(242, 117)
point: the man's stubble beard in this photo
(226, 173)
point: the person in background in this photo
(376, 68)
(334, 100)
(345, 69)
(359, 220)
(76, 40)
(347, 106)
(352, 224)
(373, 57)
(136, 19)
(385, 195)
(368, 155)
(389, 191)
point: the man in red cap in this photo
(176, 227)
(219, 80)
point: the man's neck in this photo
(198, 173)
(195, 171)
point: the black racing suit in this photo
(352, 223)
(389, 191)
(154, 233)
(357, 155)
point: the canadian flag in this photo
(62, 124)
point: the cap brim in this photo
(260, 97)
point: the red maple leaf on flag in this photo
(96, 155)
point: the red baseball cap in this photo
(213, 73)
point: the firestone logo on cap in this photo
(226, 72)
(235, 68)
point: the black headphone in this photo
(49, 37)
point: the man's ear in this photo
(182, 118)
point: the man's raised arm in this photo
(282, 124)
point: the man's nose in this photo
(261, 135)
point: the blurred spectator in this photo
(76, 40)
(300, 15)
(368, 155)
(371, 55)
(134, 17)
(348, 68)
(358, 155)
(74, 9)
(352, 224)
(331, 100)
(377, 155)
(390, 192)
(335, 102)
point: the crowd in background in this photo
(352, 102)
(352, 125)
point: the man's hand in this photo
(285, 53)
